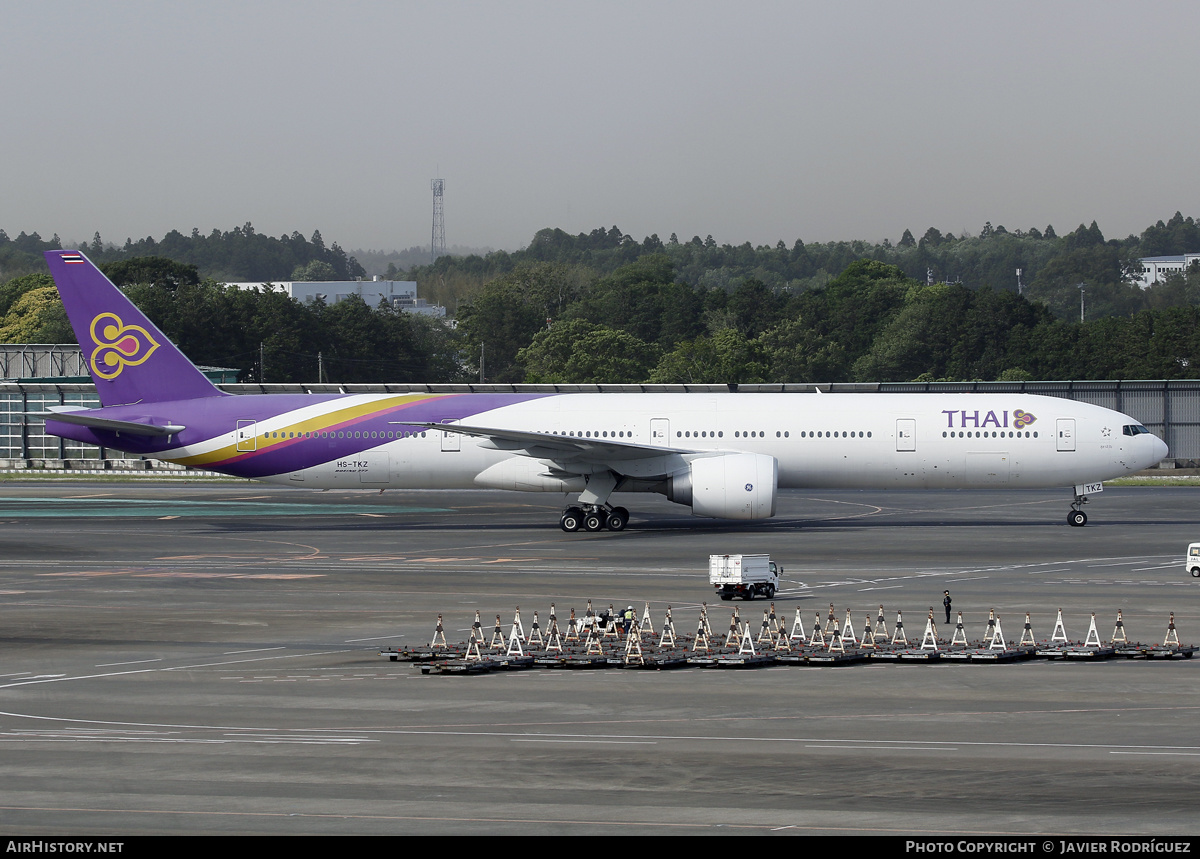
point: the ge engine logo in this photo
(749, 487)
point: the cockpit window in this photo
(1134, 429)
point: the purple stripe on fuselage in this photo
(212, 417)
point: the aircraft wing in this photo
(556, 447)
(86, 418)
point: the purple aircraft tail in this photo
(129, 358)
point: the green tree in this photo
(948, 331)
(37, 316)
(506, 314)
(1015, 374)
(726, 357)
(754, 308)
(796, 352)
(316, 270)
(641, 299)
(13, 289)
(578, 351)
(158, 271)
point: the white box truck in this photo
(1191, 562)
(744, 576)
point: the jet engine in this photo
(728, 486)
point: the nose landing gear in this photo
(1077, 518)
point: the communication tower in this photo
(439, 220)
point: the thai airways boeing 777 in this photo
(723, 455)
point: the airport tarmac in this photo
(203, 658)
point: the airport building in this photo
(1157, 269)
(400, 294)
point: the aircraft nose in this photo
(1160, 449)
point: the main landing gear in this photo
(1077, 518)
(593, 512)
(594, 517)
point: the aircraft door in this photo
(247, 437)
(660, 432)
(906, 434)
(374, 467)
(1066, 434)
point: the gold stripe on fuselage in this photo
(317, 423)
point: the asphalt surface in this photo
(204, 658)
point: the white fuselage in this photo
(819, 440)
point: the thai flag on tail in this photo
(72, 258)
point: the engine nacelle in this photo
(729, 486)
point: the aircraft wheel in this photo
(572, 519)
(617, 519)
(1077, 518)
(593, 522)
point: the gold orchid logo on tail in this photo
(118, 345)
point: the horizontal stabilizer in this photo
(88, 418)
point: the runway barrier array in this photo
(606, 640)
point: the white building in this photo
(400, 294)
(1157, 269)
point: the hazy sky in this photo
(752, 121)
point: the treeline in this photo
(240, 254)
(1052, 267)
(394, 264)
(550, 322)
(546, 322)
